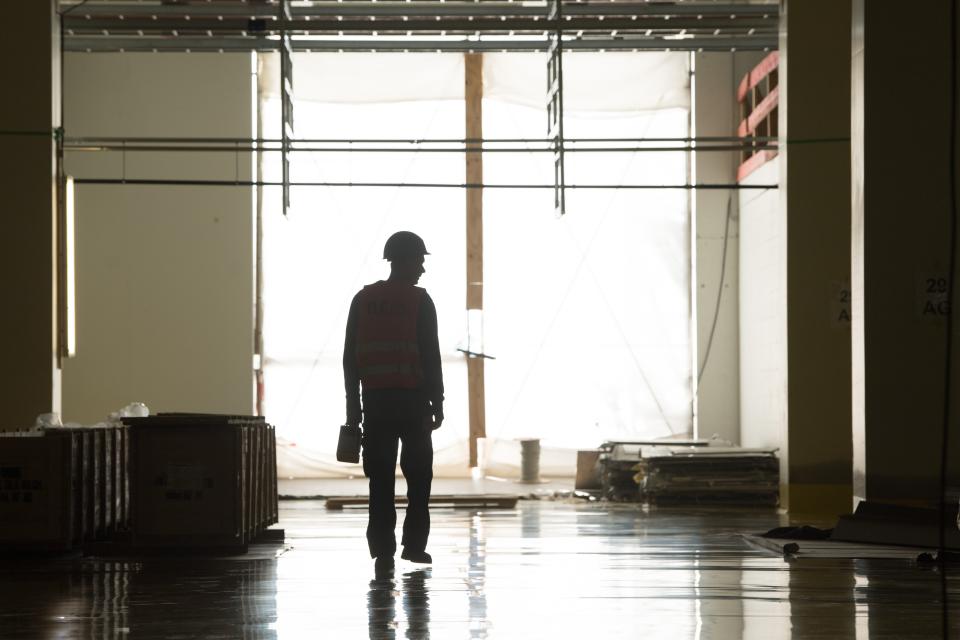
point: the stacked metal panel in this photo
(101, 485)
(201, 481)
(697, 472)
(709, 475)
(617, 462)
(62, 487)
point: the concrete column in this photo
(815, 198)
(900, 117)
(30, 112)
(715, 113)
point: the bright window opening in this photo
(588, 315)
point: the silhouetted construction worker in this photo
(391, 350)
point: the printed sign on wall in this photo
(933, 296)
(840, 305)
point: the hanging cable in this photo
(723, 275)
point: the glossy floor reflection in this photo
(544, 570)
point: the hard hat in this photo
(404, 244)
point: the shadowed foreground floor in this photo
(543, 570)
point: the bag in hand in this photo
(348, 446)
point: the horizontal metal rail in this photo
(306, 145)
(465, 149)
(417, 185)
(214, 44)
(231, 141)
(480, 24)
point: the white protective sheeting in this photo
(619, 82)
(624, 82)
(588, 315)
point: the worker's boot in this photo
(383, 566)
(419, 557)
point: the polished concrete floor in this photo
(544, 570)
(305, 487)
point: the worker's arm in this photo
(429, 345)
(351, 374)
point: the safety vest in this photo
(388, 355)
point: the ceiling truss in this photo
(417, 25)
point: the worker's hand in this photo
(434, 416)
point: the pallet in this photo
(201, 480)
(122, 545)
(451, 501)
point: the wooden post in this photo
(473, 97)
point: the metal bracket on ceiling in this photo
(555, 105)
(286, 102)
(475, 354)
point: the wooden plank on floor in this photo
(834, 549)
(456, 502)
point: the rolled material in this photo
(530, 461)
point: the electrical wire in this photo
(723, 275)
(948, 364)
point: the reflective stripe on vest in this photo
(388, 356)
(388, 369)
(373, 347)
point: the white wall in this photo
(164, 273)
(763, 320)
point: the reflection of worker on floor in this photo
(391, 348)
(382, 606)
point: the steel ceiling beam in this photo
(382, 43)
(354, 23)
(736, 186)
(98, 25)
(266, 10)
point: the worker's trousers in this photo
(380, 443)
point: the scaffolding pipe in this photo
(418, 185)
(293, 149)
(260, 140)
